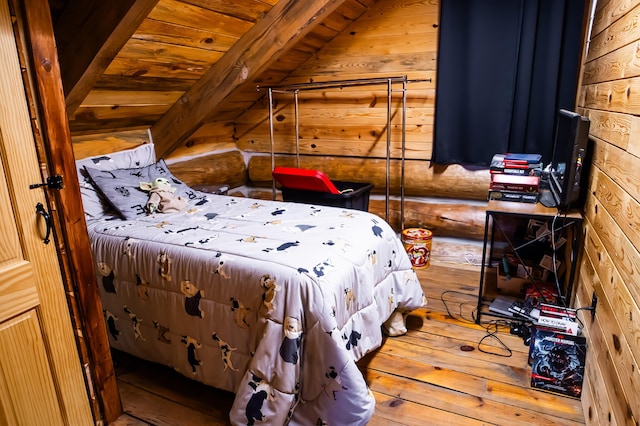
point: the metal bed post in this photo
(404, 132)
(273, 152)
(295, 98)
(388, 159)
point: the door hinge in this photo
(53, 182)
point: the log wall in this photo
(421, 178)
(610, 265)
(393, 39)
(344, 133)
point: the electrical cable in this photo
(470, 258)
(555, 267)
(491, 334)
(461, 304)
(561, 296)
(584, 308)
(534, 282)
(494, 335)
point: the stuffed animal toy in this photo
(161, 197)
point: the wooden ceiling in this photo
(174, 65)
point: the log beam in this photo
(222, 168)
(444, 219)
(285, 24)
(89, 34)
(422, 179)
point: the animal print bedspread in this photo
(273, 301)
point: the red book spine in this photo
(514, 183)
(516, 165)
(513, 187)
(515, 162)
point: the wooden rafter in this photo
(268, 39)
(89, 34)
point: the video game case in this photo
(557, 311)
(557, 361)
(499, 166)
(531, 180)
(505, 182)
(522, 158)
(527, 171)
(524, 197)
(512, 187)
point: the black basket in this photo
(357, 198)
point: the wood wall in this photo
(610, 265)
(343, 132)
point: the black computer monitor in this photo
(568, 159)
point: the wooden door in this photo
(41, 378)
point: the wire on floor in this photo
(492, 327)
(460, 317)
(470, 258)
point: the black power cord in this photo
(491, 327)
(493, 334)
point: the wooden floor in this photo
(445, 371)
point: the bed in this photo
(270, 300)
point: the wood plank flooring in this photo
(446, 370)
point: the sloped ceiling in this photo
(174, 65)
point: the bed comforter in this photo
(273, 301)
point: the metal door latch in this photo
(47, 220)
(53, 182)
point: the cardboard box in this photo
(512, 284)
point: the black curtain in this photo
(505, 67)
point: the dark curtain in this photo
(505, 67)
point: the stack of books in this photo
(559, 318)
(515, 177)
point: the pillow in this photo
(94, 205)
(122, 187)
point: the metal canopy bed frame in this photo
(295, 89)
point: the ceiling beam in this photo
(285, 24)
(89, 34)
